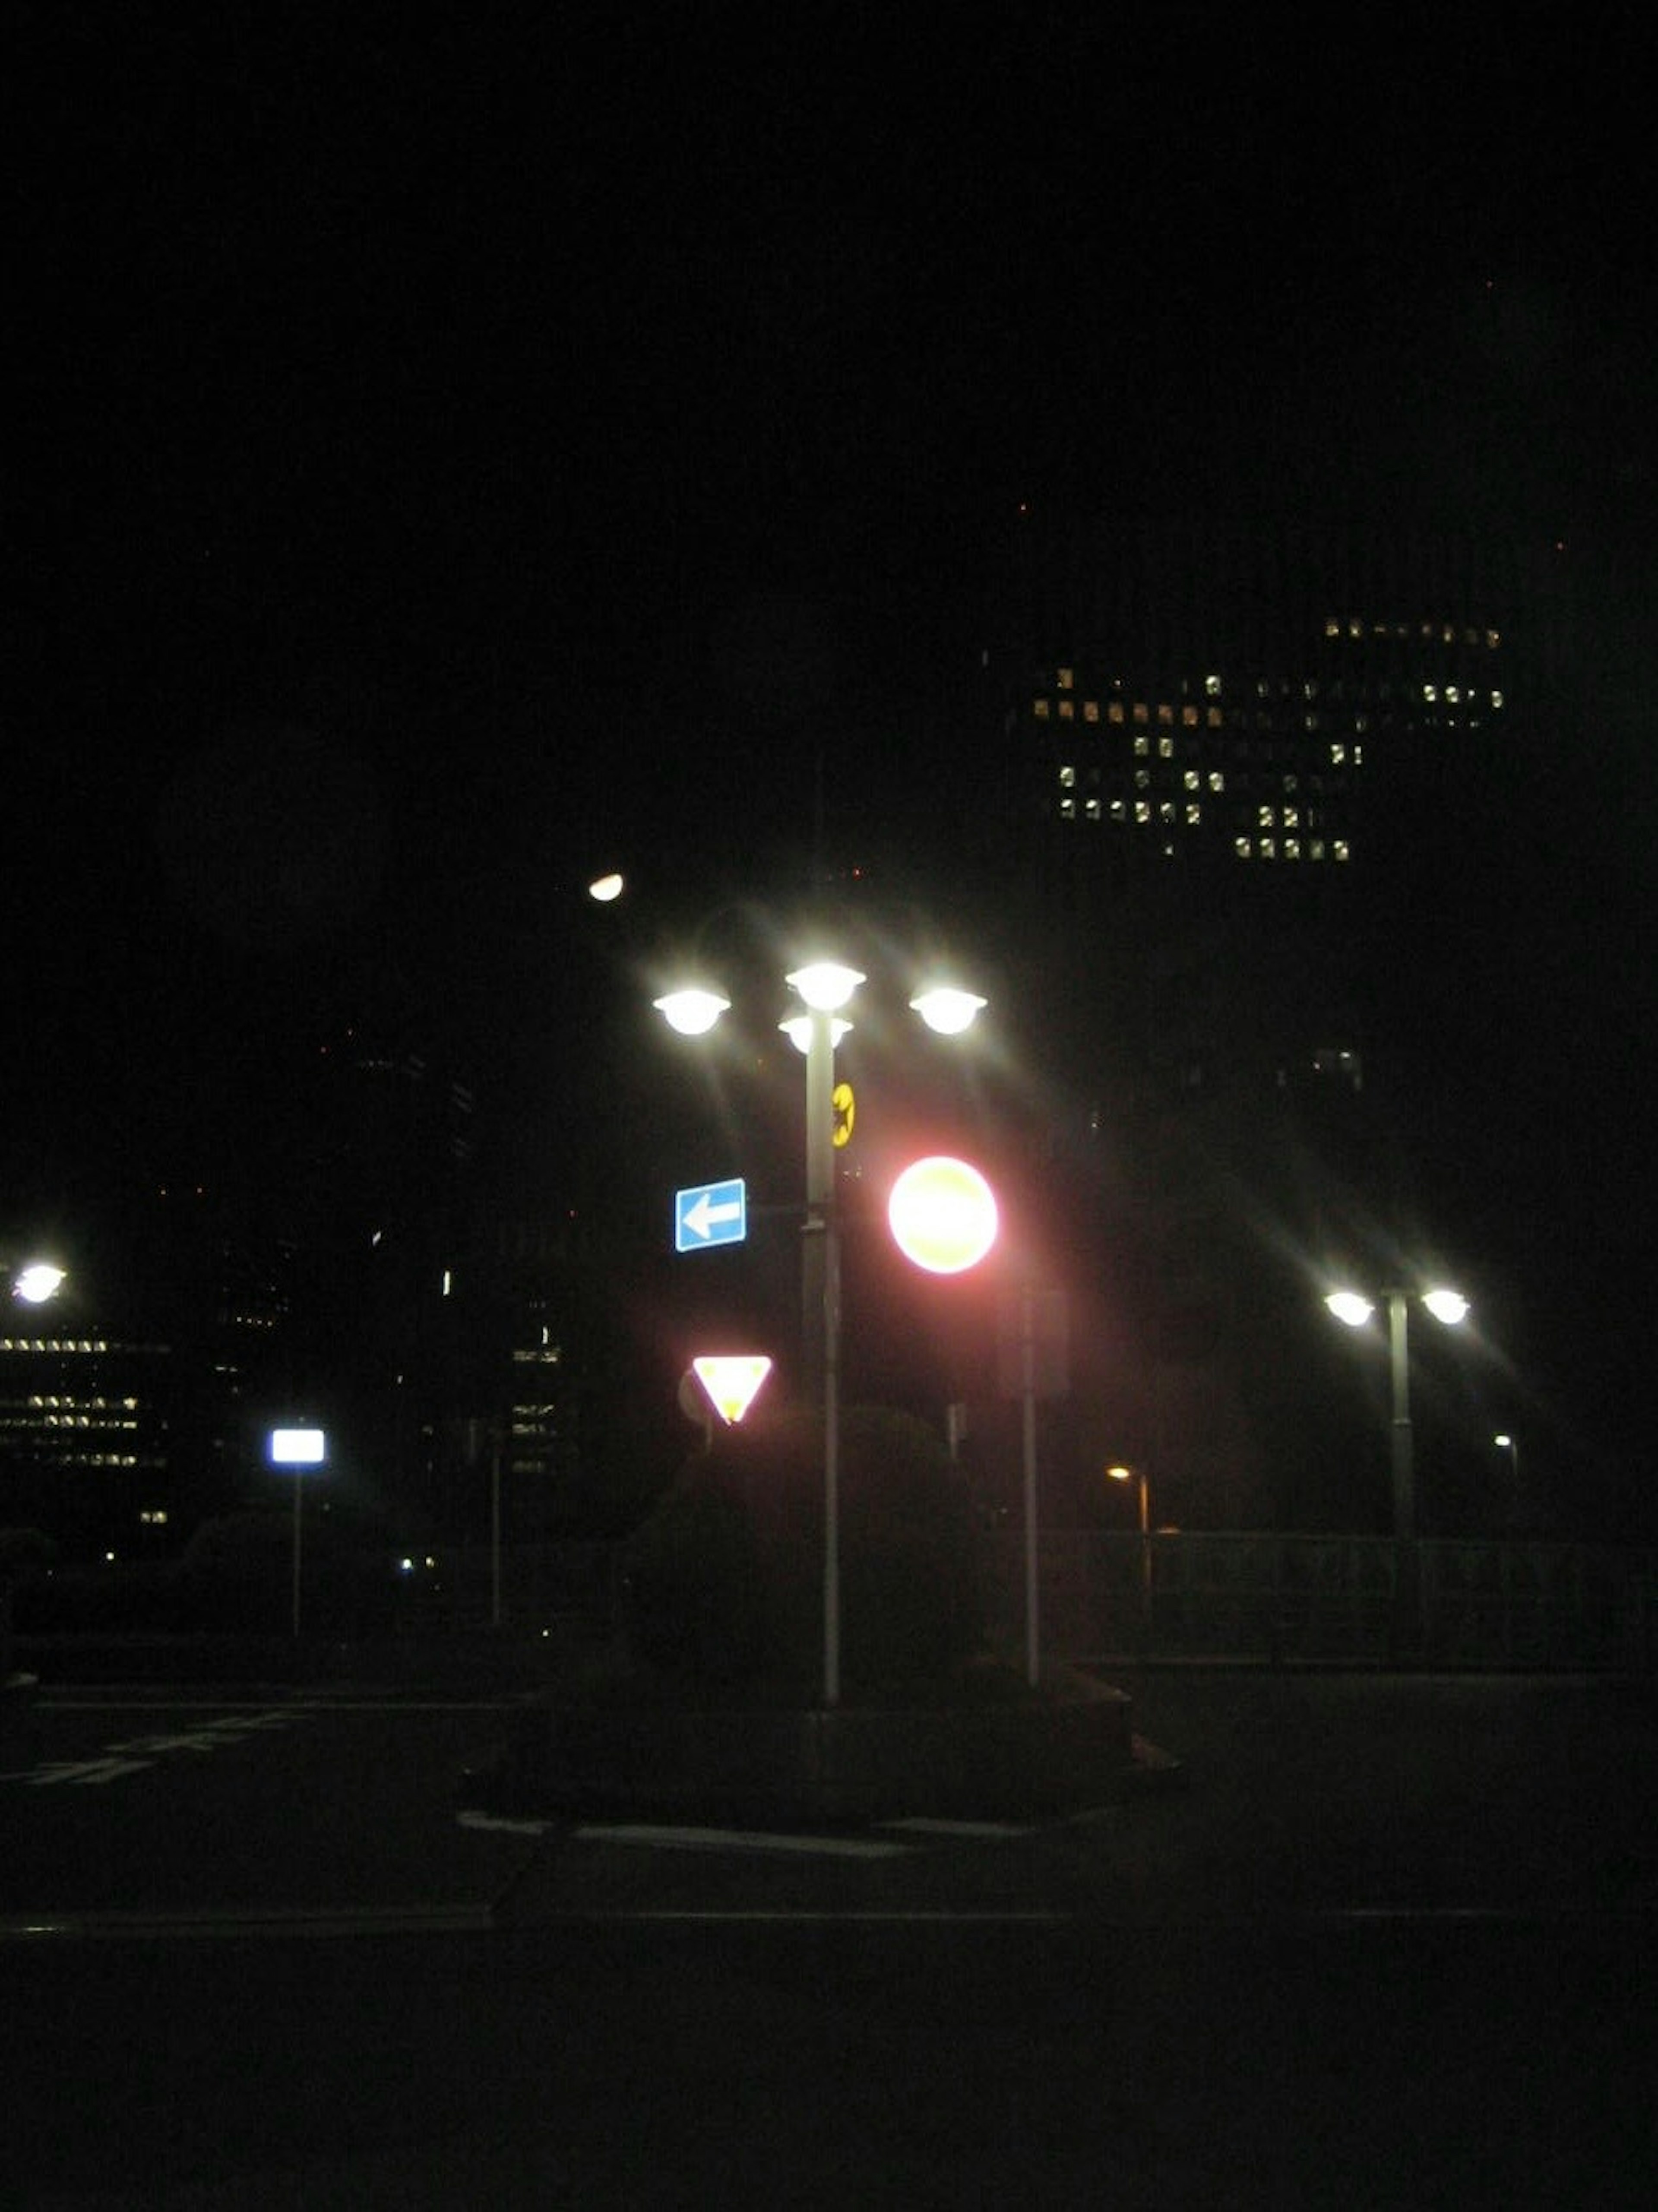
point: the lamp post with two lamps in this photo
(1354, 1310)
(825, 989)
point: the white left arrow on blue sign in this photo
(710, 1213)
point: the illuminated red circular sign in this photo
(943, 1214)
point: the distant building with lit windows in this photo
(1204, 693)
(85, 1444)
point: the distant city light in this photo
(604, 889)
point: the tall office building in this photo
(1281, 698)
(1240, 766)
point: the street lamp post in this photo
(1138, 1476)
(825, 987)
(1353, 1308)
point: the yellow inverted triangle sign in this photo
(733, 1381)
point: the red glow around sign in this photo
(942, 1215)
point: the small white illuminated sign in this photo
(297, 1446)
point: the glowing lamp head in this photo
(38, 1282)
(692, 1012)
(825, 985)
(607, 888)
(1350, 1307)
(943, 1007)
(1449, 1306)
(797, 1028)
(942, 1215)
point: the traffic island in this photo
(1042, 1754)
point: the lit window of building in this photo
(1114, 712)
(1142, 810)
(1292, 848)
(1068, 810)
(1165, 749)
(1192, 780)
(1497, 698)
(1067, 778)
(1268, 849)
(1265, 818)
(1189, 717)
(1092, 810)
(1067, 679)
(1140, 711)
(1119, 811)
(1090, 710)
(1241, 847)
(1193, 812)
(1338, 756)
(1165, 716)
(1212, 718)
(1142, 747)
(1067, 710)
(1212, 685)
(1217, 779)
(1040, 709)
(1342, 848)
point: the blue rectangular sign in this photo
(711, 1214)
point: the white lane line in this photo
(740, 1839)
(647, 1916)
(919, 1824)
(251, 1921)
(470, 1818)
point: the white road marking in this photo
(740, 1839)
(81, 1769)
(470, 1818)
(919, 1824)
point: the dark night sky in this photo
(461, 393)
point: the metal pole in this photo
(494, 1527)
(298, 1483)
(1028, 1378)
(1407, 1607)
(821, 1273)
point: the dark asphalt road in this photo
(1391, 1944)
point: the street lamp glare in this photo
(37, 1282)
(1449, 1306)
(797, 1028)
(825, 985)
(692, 1013)
(947, 1009)
(1120, 1473)
(607, 888)
(1348, 1306)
